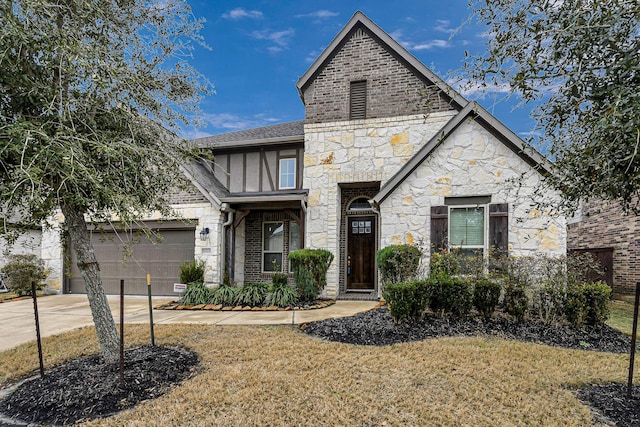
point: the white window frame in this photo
(485, 243)
(263, 251)
(280, 175)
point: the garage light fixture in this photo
(204, 233)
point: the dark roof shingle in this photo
(281, 130)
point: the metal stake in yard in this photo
(35, 311)
(153, 340)
(633, 341)
(121, 333)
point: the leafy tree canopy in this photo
(89, 93)
(579, 61)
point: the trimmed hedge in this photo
(407, 300)
(588, 303)
(451, 295)
(309, 268)
(515, 301)
(486, 296)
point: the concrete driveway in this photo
(62, 313)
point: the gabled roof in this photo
(267, 135)
(203, 178)
(360, 19)
(474, 111)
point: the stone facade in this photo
(472, 162)
(603, 225)
(365, 151)
(393, 89)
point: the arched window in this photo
(359, 204)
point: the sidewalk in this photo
(62, 313)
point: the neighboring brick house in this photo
(614, 238)
(388, 153)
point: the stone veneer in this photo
(603, 225)
(470, 162)
(362, 151)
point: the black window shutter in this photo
(358, 100)
(499, 229)
(439, 227)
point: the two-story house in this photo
(388, 153)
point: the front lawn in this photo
(278, 376)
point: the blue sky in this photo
(261, 48)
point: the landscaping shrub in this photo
(548, 301)
(515, 300)
(280, 294)
(22, 270)
(398, 263)
(309, 268)
(224, 295)
(486, 295)
(451, 295)
(588, 303)
(252, 294)
(192, 272)
(443, 263)
(196, 293)
(407, 300)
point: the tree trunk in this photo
(88, 265)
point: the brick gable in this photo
(393, 88)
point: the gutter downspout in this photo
(376, 209)
(229, 211)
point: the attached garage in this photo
(162, 259)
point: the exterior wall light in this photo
(204, 233)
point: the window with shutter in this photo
(358, 100)
(463, 227)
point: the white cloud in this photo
(228, 122)
(477, 89)
(427, 45)
(431, 44)
(444, 26)
(280, 38)
(240, 13)
(319, 14)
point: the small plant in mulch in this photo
(89, 387)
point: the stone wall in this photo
(603, 225)
(472, 162)
(393, 89)
(366, 151)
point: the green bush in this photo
(192, 272)
(486, 295)
(515, 301)
(407, 300)
(451, 295)
(252, 294)
(588, 303)
(309, 268)
(22, 270)
(224, 295)
(398, 263)
(443, 263)
(281, 294)
(196, 293)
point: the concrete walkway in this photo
(62, 313)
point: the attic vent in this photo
(358, 100)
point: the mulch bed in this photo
(608, 402)
(89, 388)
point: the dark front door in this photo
(361, 253)
(605, 257)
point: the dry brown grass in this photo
(277, 376)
